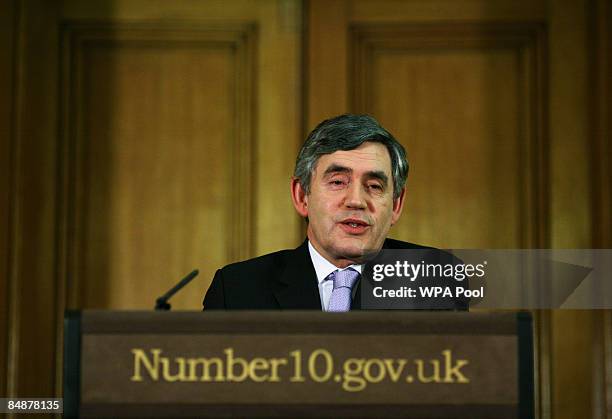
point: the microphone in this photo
(162, 302)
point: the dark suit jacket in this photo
(283, 280)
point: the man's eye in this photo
(336, 182)
(375, 186)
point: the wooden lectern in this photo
(298, 364)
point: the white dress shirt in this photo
(323, 268)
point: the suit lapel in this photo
(356, 303)
(297, 288)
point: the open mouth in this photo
(353, 226)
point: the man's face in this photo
(350, 206)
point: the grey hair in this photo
(347, 132)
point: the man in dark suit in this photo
(349, 185)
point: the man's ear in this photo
(398, 206)
(299, 197)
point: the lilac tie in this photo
(343, 285)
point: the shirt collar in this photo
(324, 267)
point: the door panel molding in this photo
(527, 41)
(81, 38)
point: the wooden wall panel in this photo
(491, 210)
(183, 83)
(326, 65)
(572, 332)
(8, 20)
(150, 139)
(463, 99)
(277, 104)
(33, 290)
(158, 124)
(600, 43)
(601, 96)
(603, 186)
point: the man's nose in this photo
(355, 196)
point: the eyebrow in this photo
(372, 174)
(336, 168)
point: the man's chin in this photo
(356, 254)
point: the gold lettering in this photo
(450, 371)
(328, 365)
(297, 363)
(367, 370)
(395, 373)
(356, 374)
(258, 364)
(352, 379)
(140, 358)
(434, 378)
(274, 364)
(231, 363)
(179, 376)
(206, 364)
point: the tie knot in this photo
(345, 278)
